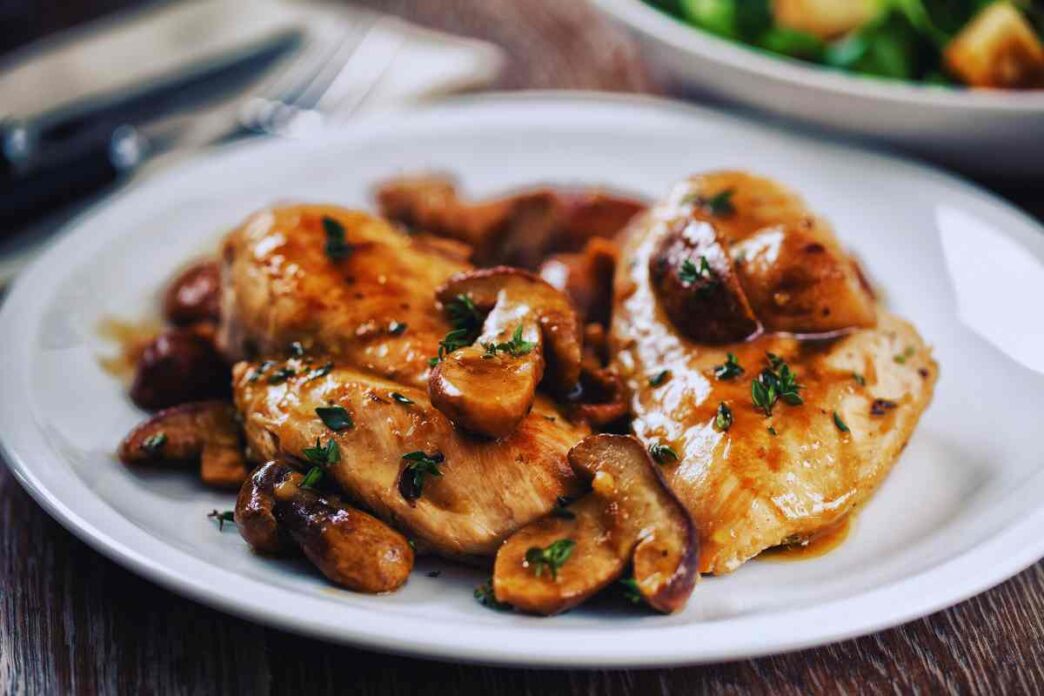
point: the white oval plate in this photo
(998, 133)
(961, 512)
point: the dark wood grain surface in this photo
(73, 622)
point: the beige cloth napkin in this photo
(397, 62)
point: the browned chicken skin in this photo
(753, 480)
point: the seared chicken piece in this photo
(403, 460)
(338, 281)
(794, 274)
(756, 476)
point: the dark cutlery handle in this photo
(36, 176)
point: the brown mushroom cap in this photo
(490, 391)
(631, 516)
(206, 432)
(695, 280)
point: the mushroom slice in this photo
(489, 387)
(631, 516)
(593, 560)
(353, 549)
(255, 511)
(696, 282)
(585, 277)
(203, 431)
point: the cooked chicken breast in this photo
(340, 282)
(755, 476)
(484, 490)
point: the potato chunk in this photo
(998, 48)
(826, 19)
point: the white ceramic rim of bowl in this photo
(703, 45)
(1007, 552)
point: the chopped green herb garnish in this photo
(516, 347)
(774, 383)
(281, 375)
(772, 431)
(840, 423)
(730, 369)
(256, 373)
(396, 328)
(323, 455)
(454, 340)
(312, 478)
(901, 358)
(153, 444)
(222, 517)
(691, 273)
(718, 205)
(485, 596)
(629, 590)
(723, 419)
(405, 401)
(860, 379)
(418, 466)
(320, 371)
(336, 418)
(337, 246)
(551, 558)
(659, 378)
(662, 453)
(463, 313)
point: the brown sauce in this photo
(819, 545)
(131, 338)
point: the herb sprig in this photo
(551, 558)
(335, 418)
(776, 382)
(221, 517)
(337, 246)
(730, 369)
(662, 453)
(515, 347)
(418, 466)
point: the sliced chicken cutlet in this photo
(483, 490)
(759, 472)
(338, 281)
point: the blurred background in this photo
(97, 93)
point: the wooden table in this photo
(73, 622)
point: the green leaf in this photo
(550, 558)
(336, 418)
(840, 423)
(337, 246)
(659, 378)
(723, 418)
(312, 478)
(323, 455)
(662, 453)
(730, 369)
(154, 444)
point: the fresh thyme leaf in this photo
(336, 418)
(901, 358)
(860, 379)
(484, 595)
(840, 423)
(659, 378)
(405, 401)
(772, 431)
(775, 382)
(629, 590)
(312, 478)
(455, 339)
(550, 558)
(730, 369)
(337, 246)
(516, 347)
(723, 419)
(463, 313)
(153, 444)
(662, 453)
(691, 273)
(320, 371)
(222, 517)
(281, 375)
(323, 455)
(396, 328)
(718, 205)
(418, 466)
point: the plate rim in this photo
(696, 42)
(407, 639)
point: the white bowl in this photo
(991, 133)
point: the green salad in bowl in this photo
(977, 43)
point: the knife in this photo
(58, 156)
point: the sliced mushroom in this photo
(350, 547)
(489, 387)
(586, 278)
(694, 277)
(206, 432)
(180, 365)
(631, 516)
(601, 398)
(194, 295)
(255, 511)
